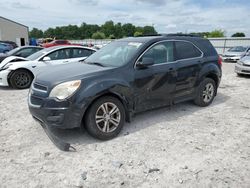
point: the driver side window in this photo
(59, 54)
(161, 53)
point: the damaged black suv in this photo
(123, 78)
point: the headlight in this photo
(65, 90)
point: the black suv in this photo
(123, 78)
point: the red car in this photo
(57, 43)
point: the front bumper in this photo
(53, 113)
(242, 69)
(4, 77)
(234, 58)
(55, 139)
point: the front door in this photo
(154, 86)
(59, 57)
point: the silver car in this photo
(235, 53)
(243, 65)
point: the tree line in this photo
(217, 34)
(109, 30)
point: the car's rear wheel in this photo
(206, 92)
(105, 118)
(21, 79)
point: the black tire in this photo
(94, 128)
(21, 79)
(239, 75)
(205, 98)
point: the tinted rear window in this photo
(186, 50)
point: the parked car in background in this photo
(242, 66)
(123, 78)
(4, 48)
(56, 43)
(13, 44)
(19, 72)
(23, 51)
(41, 41)
(235, 53)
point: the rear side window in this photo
(186, 50)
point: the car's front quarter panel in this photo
(4, 77)
(105, 84)
(69, 113)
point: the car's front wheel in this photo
(105, 118)
(206, 92)
(21, 79)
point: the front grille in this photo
(38, 93)
(40, 87)
(228, 55)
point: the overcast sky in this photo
(167, 16)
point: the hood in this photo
(12, 59)
(245, 60)
(68, 72)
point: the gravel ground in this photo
(185, 146)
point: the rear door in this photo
(189, 60)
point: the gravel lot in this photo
(186, 146)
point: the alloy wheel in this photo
(22, 79)
(208, 93)
(108, 117)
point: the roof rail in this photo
(170, 35)
(179, 35)
(149, 35)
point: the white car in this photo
(19, 72)
(242, 66)
(235, 53)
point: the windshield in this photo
(238, 49)
(114, 54)
(12, 52)
(38, 54)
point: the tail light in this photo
(220, 61)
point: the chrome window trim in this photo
(170, 62)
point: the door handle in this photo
(171, 69)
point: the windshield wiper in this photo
(95, 63)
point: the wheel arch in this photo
(214, 77)
(212, 71)
(109, 94)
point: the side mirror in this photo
(146, 62)
(46, 58)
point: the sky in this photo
(167, 16)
